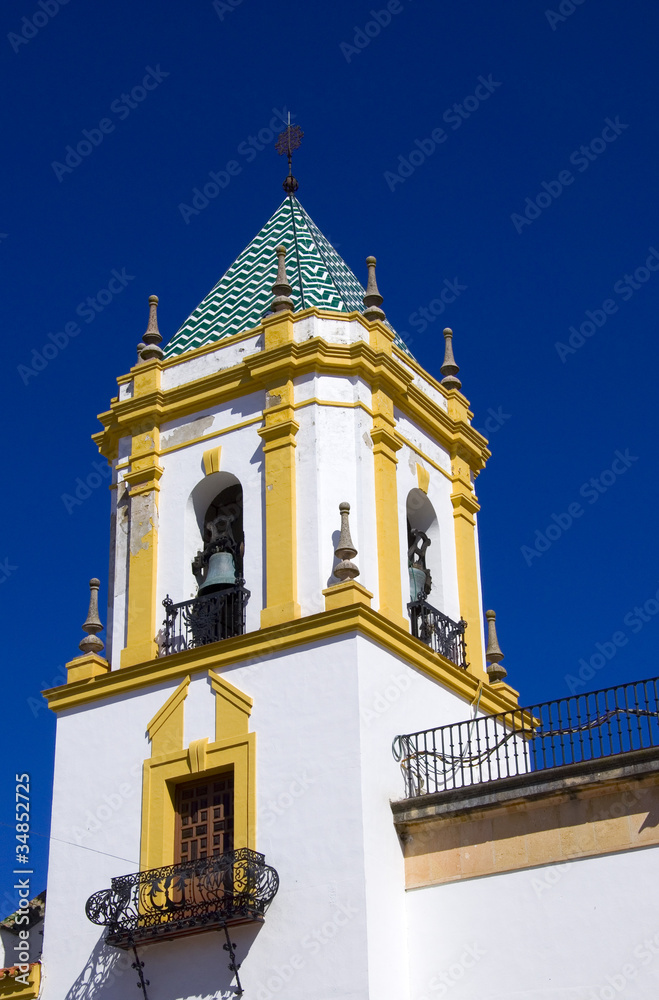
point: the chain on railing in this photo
(571, 730)
(438, 631)
(206, 618)
(164, 902)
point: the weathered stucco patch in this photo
(143, 521)
(187, 432)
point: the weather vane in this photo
(287, 141)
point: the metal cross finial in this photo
(91, 643)
(287, 141)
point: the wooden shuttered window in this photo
(204, 818)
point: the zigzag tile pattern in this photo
(317, 274)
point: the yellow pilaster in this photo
(465, 507)
(278, 435)
(385, 446)
(143, 479)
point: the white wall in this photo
(324, 716)
(584, 930)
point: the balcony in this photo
(233, 888)
(555, 734)
(438, 631)
(206, 618)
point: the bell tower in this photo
(294, 580)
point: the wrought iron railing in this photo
(166, 902)
(204, 619)
(438, 631)
(572, 730)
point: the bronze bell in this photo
(221, 573)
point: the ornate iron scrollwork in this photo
(163, 902)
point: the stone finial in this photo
(281, 287)
(372, 298)
(449, 369)
(91, 643)
(345, 550)
(493, 653)
(149, 348)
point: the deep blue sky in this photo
(560, 421)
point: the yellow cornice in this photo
(261, 645)
(289, 360)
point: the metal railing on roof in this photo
(572, 730)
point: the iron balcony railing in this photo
(585, 727)
(206, 618)
(166, 902)
(438, 631)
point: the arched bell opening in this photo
(214, 528)
(423, 549)
(218, 565)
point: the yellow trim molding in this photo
(166, 727)
(465, 507)
(16, 990)
(232, 708)
(385, 446)
(144, 484)
(85, 667)
(170, 764)
(422, 478)
(341, 595)
(263, 644)
(288, 359)
(163, 773)
(278, 435)
(212, 460)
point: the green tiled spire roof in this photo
(317, 274)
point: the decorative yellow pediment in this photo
(166, 727)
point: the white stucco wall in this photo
(585, 930)
(324, 717)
